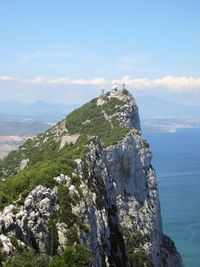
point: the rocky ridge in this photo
(107, 199)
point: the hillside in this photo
(84, 193)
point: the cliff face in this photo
(108, 201)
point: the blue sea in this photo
(176, 158)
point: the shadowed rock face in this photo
(116, 198)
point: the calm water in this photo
(177, 163)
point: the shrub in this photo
(65, 203)
(136, 253)
(53, 234)
(72, 256)
(27, 258)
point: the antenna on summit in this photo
(102, 92)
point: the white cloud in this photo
(167, 82)
(94, 82)
(6, 78)
(171, 83)
(178, 83)
(36, 80)
(29, 81)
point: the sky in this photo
(66, 51)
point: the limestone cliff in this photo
(106, 197)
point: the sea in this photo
(176, 159)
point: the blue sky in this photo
(58, 49)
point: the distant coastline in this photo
(168, 125)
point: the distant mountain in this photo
(22, 127)
(38, 110)
(155, 107)
(150, 107)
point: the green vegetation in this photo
(51, 163)
(15, 244)
(65, 215)
(65, 202)
(43, 148)
(90, 120)
(27, 258)
(113, 105)
(53, 233)
(125, 92)
(2, 254)
(72, 236)
(134, 245)
(73, 256)
(146, 144)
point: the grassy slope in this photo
(95, 122)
